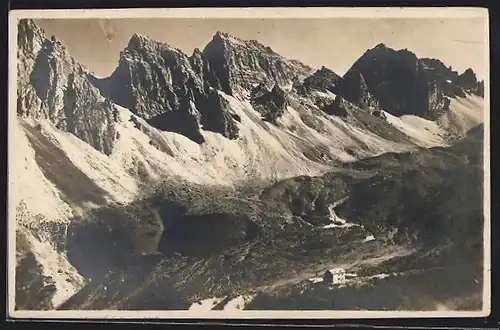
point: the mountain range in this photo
(179, 170)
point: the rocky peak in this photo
(197, 53)
(139, 41)
(404, 84)
(221, 35)
(322, 80)
(29, 36)
(468, 80)
(54, 86)
(240, 65)
(480, 89)
(170, 90)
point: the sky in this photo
(332, 42)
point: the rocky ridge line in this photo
(51, 85)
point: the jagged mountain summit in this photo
(170, 90)
(323, 80)
(178, 93)
(242, 64)
(166, 87)
(52, 85)
(404, 84)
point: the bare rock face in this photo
(338, 108)
(172, 91)
(350, 89)
(217, 116)
(468, 80)
(271, 104)
(322, 80)
(241, 64)
(53, 86)
(480, 89)
(437, 73)
(353, 88)
(469, 83)
(404, 84)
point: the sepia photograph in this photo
(248, 163)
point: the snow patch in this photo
(316, 279)
(326, 94)
(239, 302)
(379, 276)
(369, 238)
(205, 304)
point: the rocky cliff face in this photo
(405, 84)
(353, 88)
(179, 93)
(240, 65)
(480, 89)
(469, 83)
(322, 80)
(172, 91)
(53, 86)
(271, 104)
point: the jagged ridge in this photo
(404, 84)
(52, 85)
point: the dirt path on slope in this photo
(391, 252)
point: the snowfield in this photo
(337, 222)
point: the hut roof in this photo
(336, 270)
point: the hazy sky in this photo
(335, 43)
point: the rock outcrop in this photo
(241, 64)
(338, 108)
(271, 104)
(480, 89)
(469, 83)
(53, 86)
(353, 88)
(322, 80)
(468, 80)
(172, 91)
